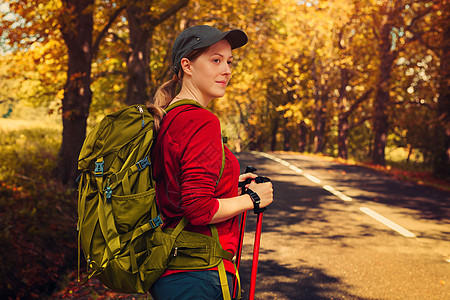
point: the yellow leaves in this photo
(323, 4)
(60, 94)
(294, 112)
(117, 87)
(281, 73)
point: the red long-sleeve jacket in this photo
(186, 163)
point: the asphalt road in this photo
(345, 232)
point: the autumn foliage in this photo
(360, 79)
(343, 78)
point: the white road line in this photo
(338, 194)
(289, 165)
(312, 178)
(295, 169)
(387, 222)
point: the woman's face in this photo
(211, 71)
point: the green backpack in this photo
(119, 222)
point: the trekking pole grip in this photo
(242, 184)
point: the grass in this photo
(37, 215)
(25, 146)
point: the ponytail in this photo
(164, 95)
(168, 90)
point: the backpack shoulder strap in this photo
(183, 102)
(223, 164)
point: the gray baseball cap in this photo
(202, 36)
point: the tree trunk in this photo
(380, 122)
(287, 138)
(441, 155)
(77, 23)
(275, 125)
(320, 99)
(343, 128)
(138, 60)
(302, 140)
(142, 23)
(77, 93)
(319, 133)
(343, 115)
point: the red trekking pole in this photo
(255, 256)
(242, 229)
(259, 211)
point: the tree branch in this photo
(360, 122)
(417, 36)
(102, 33)
(116, 37)
(358, 101)
(169, 12)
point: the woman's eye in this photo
(216, 60)
(230, 62)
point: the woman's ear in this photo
(186, 66)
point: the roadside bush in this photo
(37, 216)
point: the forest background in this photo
(365, 80)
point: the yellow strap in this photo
(145, 146)
(239, 296)
(126, 184)
(123, 176)
(222, 168)
(134, 267)
(223, 254)
(107, 225)
(179, 227)
(224, 281)
(183, 102)
(221, 268)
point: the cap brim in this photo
(237, 38)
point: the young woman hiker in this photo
(197, 177)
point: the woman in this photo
(188, 161)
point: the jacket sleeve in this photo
(201, 161)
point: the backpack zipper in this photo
(141, 111)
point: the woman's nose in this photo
(227, 69)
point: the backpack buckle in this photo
(108, 194)
(98, 171)
(143, 163)
(155, 222)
